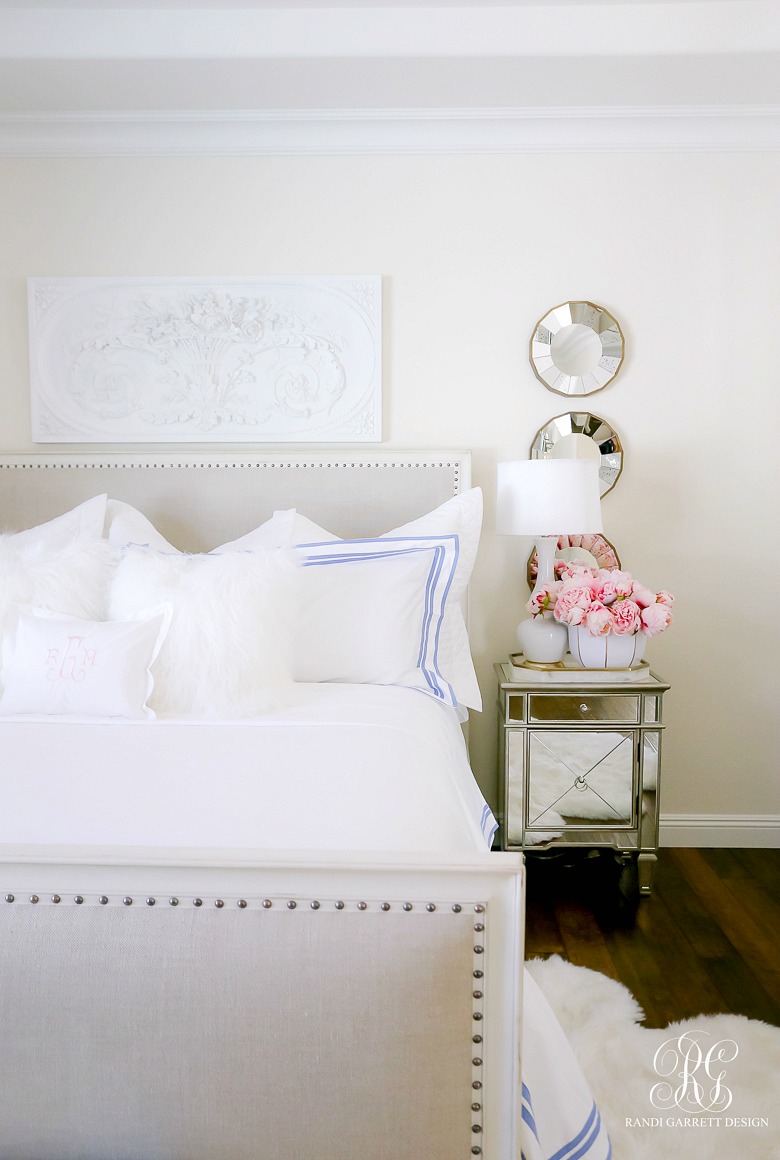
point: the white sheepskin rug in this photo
(634, 1072)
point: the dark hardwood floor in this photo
(706, 941)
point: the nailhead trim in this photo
(476, 1105)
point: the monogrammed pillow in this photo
(61, 666)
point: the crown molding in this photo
(284, 132)
(662, 27)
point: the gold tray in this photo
(518, 661)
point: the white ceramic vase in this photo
(543, 639)
(605, 652)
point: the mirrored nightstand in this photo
(580, 758)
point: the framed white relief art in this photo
(196, 360)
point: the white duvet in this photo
(346, 767)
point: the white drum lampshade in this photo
(548, 497)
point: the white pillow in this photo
(372, 612)
(64, 565)
(57, 665)
(125, 525)
(460, 516)
(84, 523)
(228, 651)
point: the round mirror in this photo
(576, 349)
(581, 435)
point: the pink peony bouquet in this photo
(603, 600)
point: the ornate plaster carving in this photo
(196, 360)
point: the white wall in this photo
(682, 249)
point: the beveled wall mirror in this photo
(577, 348)
(581, 435)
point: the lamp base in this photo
(543, 639)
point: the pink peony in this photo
(572, 604)
(656, 618)
(608, 600)
(606, 592)
(543, 599)
(598, 620)
(577, 576)
(626, 617)
(612, 584)
(623, 581)
(643, 596)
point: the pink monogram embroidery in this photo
(70, 663)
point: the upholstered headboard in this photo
(201, 501)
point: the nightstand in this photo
(580, 755)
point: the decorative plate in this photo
(596, 545)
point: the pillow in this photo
(125, 525)
(460, 517)
(371, 612)
(64, 565)
(58, 665)
(228, 650)
(84, 523)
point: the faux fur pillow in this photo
(228, 652)
(63, 565)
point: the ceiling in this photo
(364, 4)
(660, 59)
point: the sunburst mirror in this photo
(581, 435)
(577, 348)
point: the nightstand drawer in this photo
(583, 707)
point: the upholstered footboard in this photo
(332, 1013)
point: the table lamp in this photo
(547, 498)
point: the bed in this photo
(271, 932)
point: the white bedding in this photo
(346, 767)
(560, 1118)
